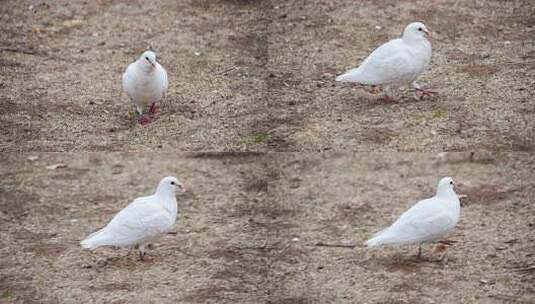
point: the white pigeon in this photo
(145, 83)
(142, 221)
(425, 222)
(396, 63)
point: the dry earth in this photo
(258, 75)
(250, 225)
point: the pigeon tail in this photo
(377, 239)
(94, 240)
(349, 76)
(373, 242)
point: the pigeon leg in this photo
(152, 108)
(443, 258)
(143, 256)
(419, 251)
(141, 252)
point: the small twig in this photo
(261, 247)
(511, 241)
(352, 246)
(447, 242)
(513, 63)
(225, 71)
(18, 50)
(183, 252)
(527, 269)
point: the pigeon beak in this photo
(153, 65)
(428, 33)
(182, 189)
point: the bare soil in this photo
(250, 226)
(259, 75)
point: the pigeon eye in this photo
(451, 183)
(147, 58)
(172, 183)
(420, 29)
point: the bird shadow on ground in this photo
(406, 263)
(367, 98)
(122, 259)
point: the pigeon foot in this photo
(144, 119)
(425, 92)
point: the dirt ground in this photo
(252, 78)
(259, 75)
(250, 226)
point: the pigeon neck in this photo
(164, 191)
(144, 67)
(411, 39)
(445, 192)
(168, 200)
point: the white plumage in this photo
(396, 63)
(427, 221)
(145, 82)
(142, 221)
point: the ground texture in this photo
(251, 224)
(259, 75)
(253, 79)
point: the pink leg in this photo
(152, 108)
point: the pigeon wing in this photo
(425, 221)
(129, 81)
(143, 220)
(390, 63)
(165, 81)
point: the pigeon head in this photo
(169, 185)
(445, 186)
(416, 31)
(148, 60)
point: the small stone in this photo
(33, 158)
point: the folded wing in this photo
(141, 221)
